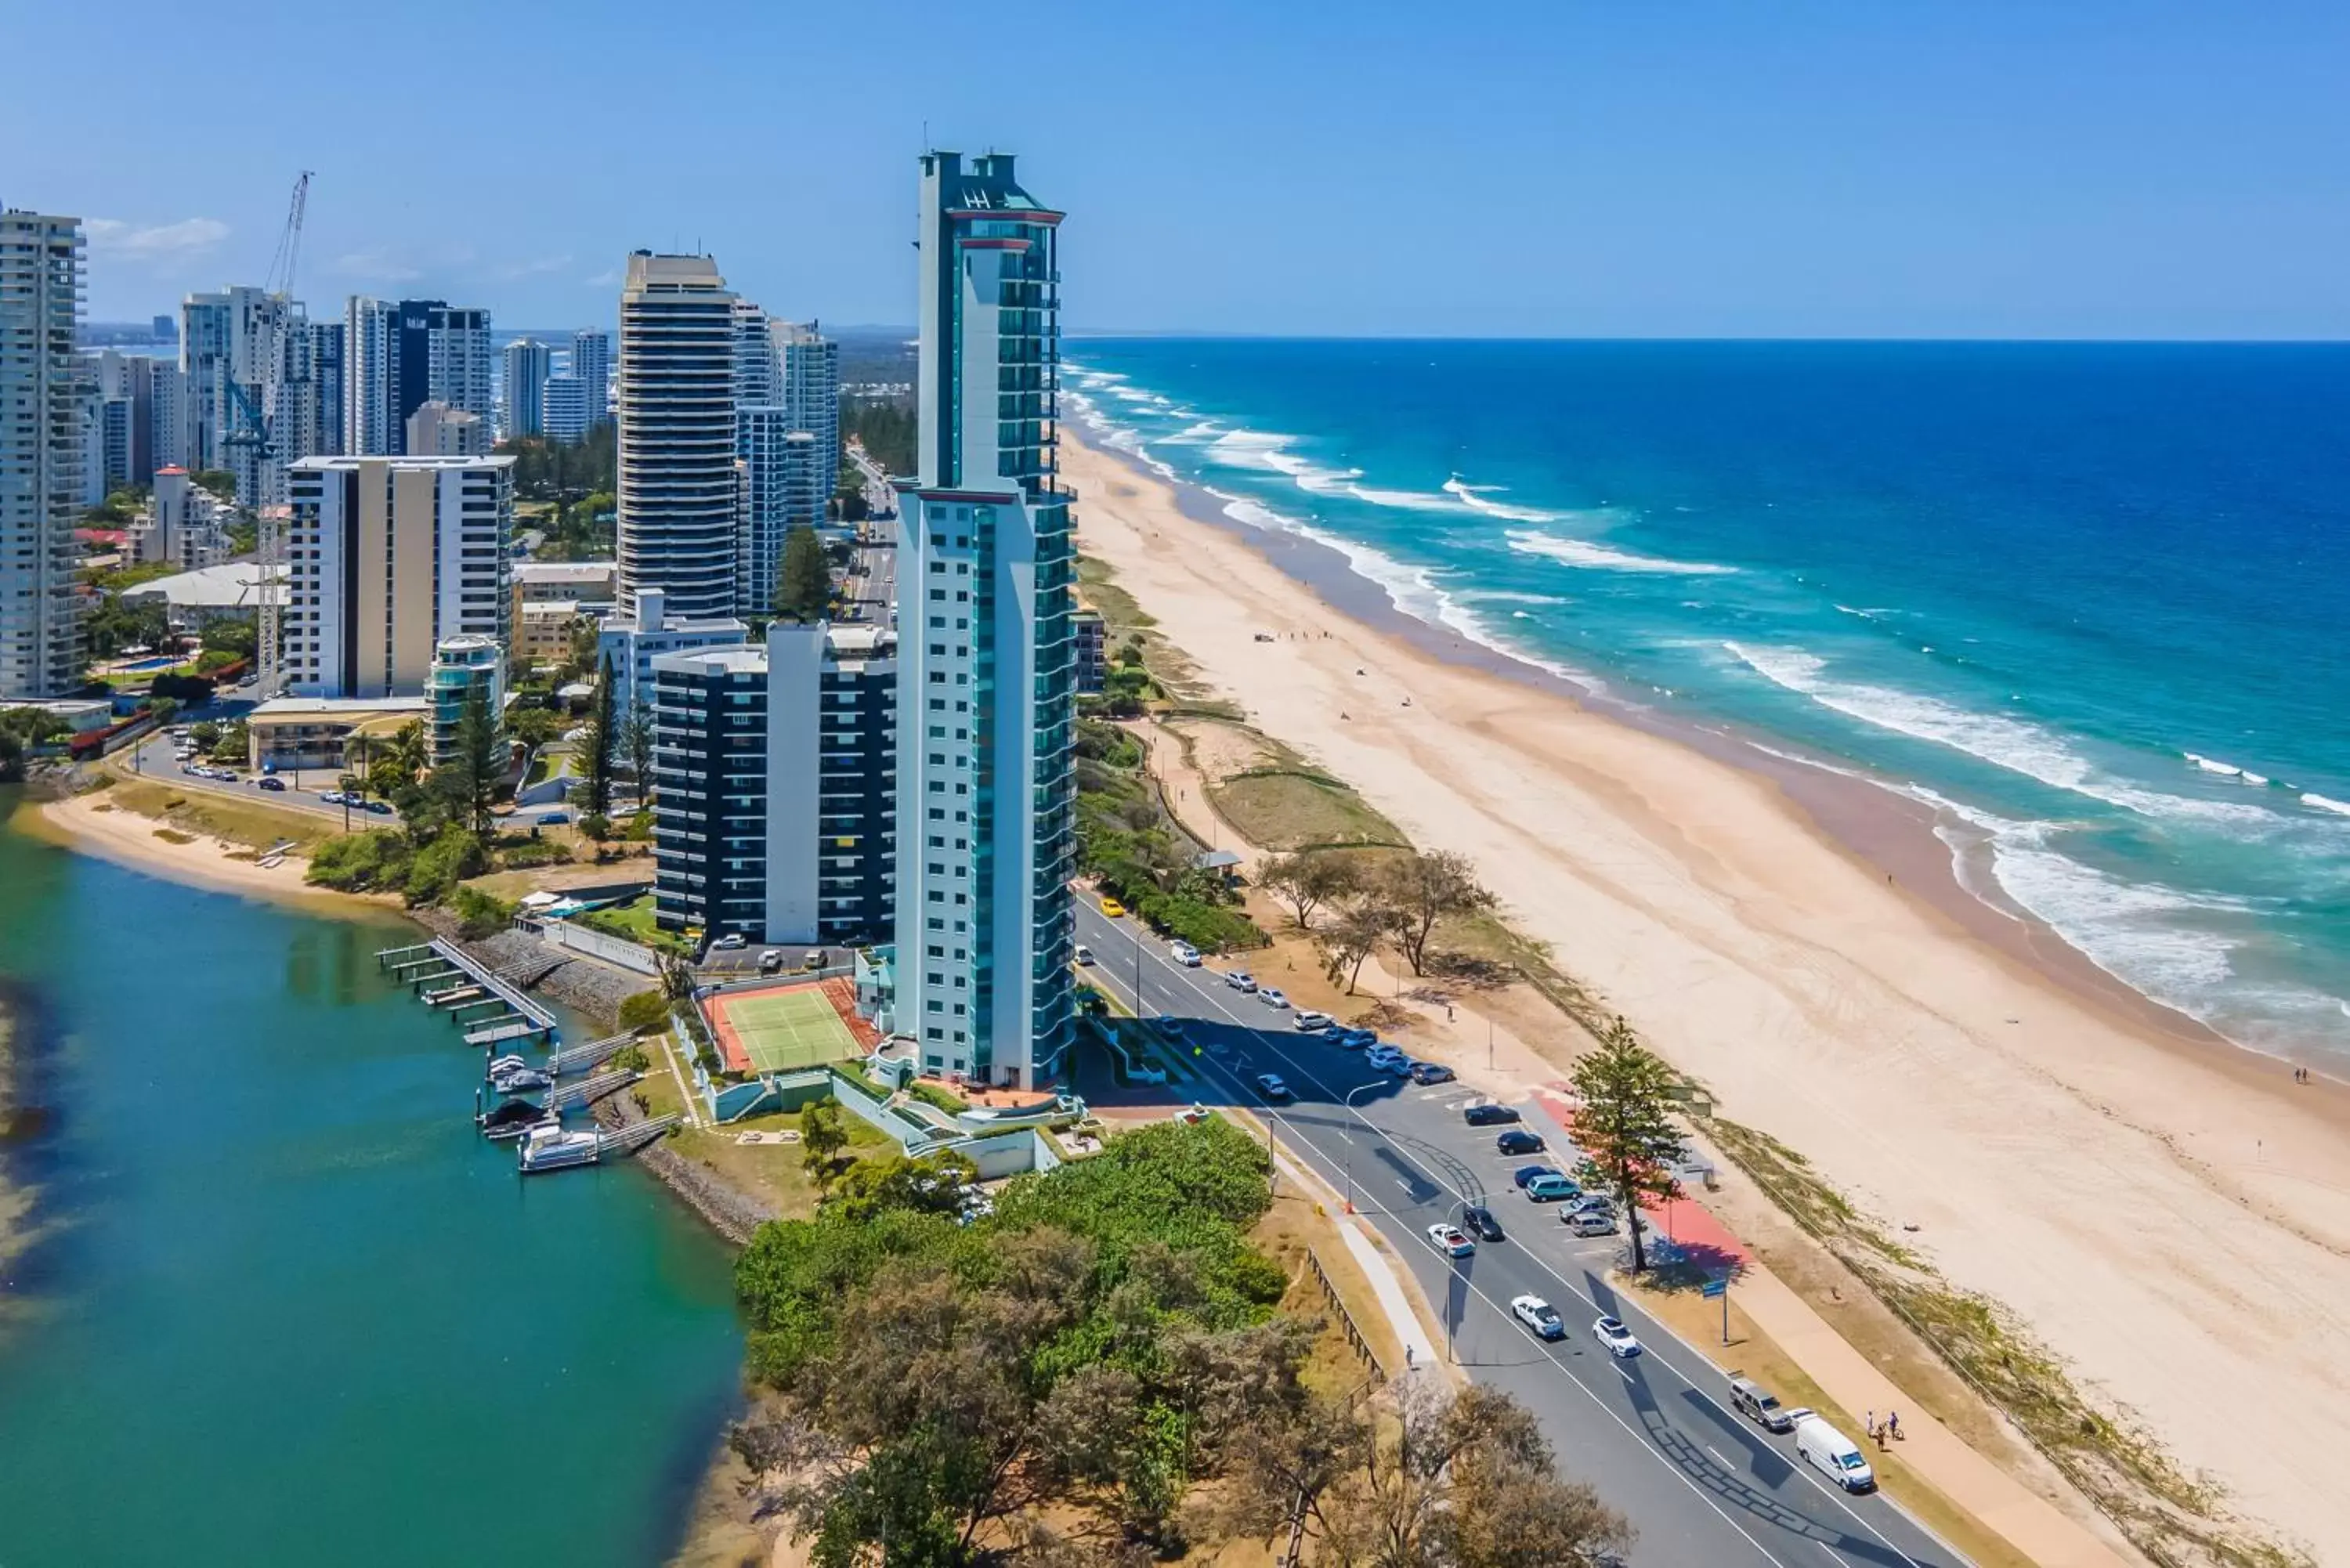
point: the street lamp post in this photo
(1349, 1159)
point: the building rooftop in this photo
(291, 708)
(233, 586)
(565, 571)
(336, 462)
(733, 660)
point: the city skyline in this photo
(2114, 170)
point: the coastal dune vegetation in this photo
(1097, 1373)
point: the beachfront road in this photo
(1651, 1433)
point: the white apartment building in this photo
(388, 557)
(436, 430)
(986, 795)
(398, 357)
(41, 454)
(677, 508)
(628, 642)
(591, 367)
(183, 524)
(564, 409)
(779, 487)
(527, 365)
(808, 383)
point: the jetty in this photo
(547, 1146)
(490, 1005)
(575, 1057)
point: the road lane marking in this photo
(1402, 1146)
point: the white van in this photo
(1831, 1453)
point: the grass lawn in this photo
(203, 813)
(633, 919)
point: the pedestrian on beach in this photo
(1893, 1423)
(1868, 1423)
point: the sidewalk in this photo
(2002, 1504)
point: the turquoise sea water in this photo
(290, 1309)
(2087, 600)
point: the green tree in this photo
(822, 1138)
(1307, 881)
(1419, 890)
(468, 781)
(238, 638)
(21, 729)
(1352, 938)
(804, 587)
(219, 481)
(635, 742)
(534, 727)
(1624, 1124)
(597, 742)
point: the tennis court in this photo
(776, 1031)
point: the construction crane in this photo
(261, 435)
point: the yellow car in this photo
(1112, 908)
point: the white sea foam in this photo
(1479, 496)
(1414, 590)
(1583, 553)
(2133, 931)
(1199, 434)
(2323, 803)
(2011, 743)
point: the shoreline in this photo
(2155, 1202)
(128, 839)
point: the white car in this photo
(1271, 996)
(1611, 1333)
(1380, 1056)
(1185, 954)
(1239, 980)
(730, 940)
(1085, 954)
(1450, 1240)
(1539, 1316)
(1307, 1022)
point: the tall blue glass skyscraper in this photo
(986, 705)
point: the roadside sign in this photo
(1712, 1288)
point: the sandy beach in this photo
(91, 823)
(2170, 1214)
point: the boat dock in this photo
(548, 1147)
(588, 1055)
(487, 1003)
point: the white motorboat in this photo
(547, 1146)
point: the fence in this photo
(1361, 1346)
(595, 944)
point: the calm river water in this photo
(289, 1309)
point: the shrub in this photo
(191, 691)
(357, 862)
(631, 1058)
(1204, 926)
(528, 852)
(479, 914)
(646, 1010)
(436, 869)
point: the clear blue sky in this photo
(1578, 167)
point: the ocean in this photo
(2086, 601)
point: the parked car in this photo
(330, 797)
(1551, 1188)
(1831, 1452)
(730, 941)
(771, 960)
(1589, 1222)
(1759, 1405)
(1239, 980)
(1431, 1073)
(380, 807)
(1478, 1221)
(1357, 1039)
(1611, 1333)
(1111, 908)
(552, 818)
(1398, 1065)
(1271, 996)
(1450, 1240)
(1487, 1115)
(1310, 1022)
(1270, 1085)
(1526, 1173)
(1085, 954)
(1184, 953)
(273, 784)
(1538, 1315)
(1517, 1140)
